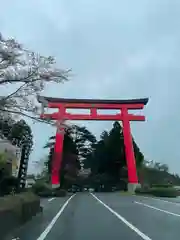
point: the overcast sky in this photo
(116, 49)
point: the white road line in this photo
(162, 200)
(51, 224)
(158, 209)
(132, 227)
(49, 200)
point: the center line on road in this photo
(158, 209)
(132, 227)
(51, 224)
(49, 200)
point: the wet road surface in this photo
(105, 216)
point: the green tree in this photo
(6, 124)
(156, 173)
(83, 139)
(78, 140)
(21, 133)
(78, 145)
(138, 154)
(70, 162)
(108, 158)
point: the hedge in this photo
(161, 185)
(158, 192)
(60, 193)
(45, 190)
(142, 191)
(164, 192)
(41, 186)
(16, 210)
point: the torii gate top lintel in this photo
(112, 102)
(93, 105)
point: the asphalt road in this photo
(105, 216)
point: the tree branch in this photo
(26, 115)
(2, 61)
(25, 79)
(13, 93)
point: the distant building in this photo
(13, 154)
(30, 181)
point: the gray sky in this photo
(117, 49)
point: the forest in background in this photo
(105, 159)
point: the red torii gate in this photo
(62, 104)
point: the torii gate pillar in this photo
(129, 152)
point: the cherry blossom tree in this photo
(29, 73)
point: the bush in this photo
(158, 192)
(17, 203)
(8, 185)
(142, 191)
(38, 187)
(164, 192)
(42, 189)
(16, 210)
(30, 205)
(60, 193)
(46, 193)
(161, 185)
